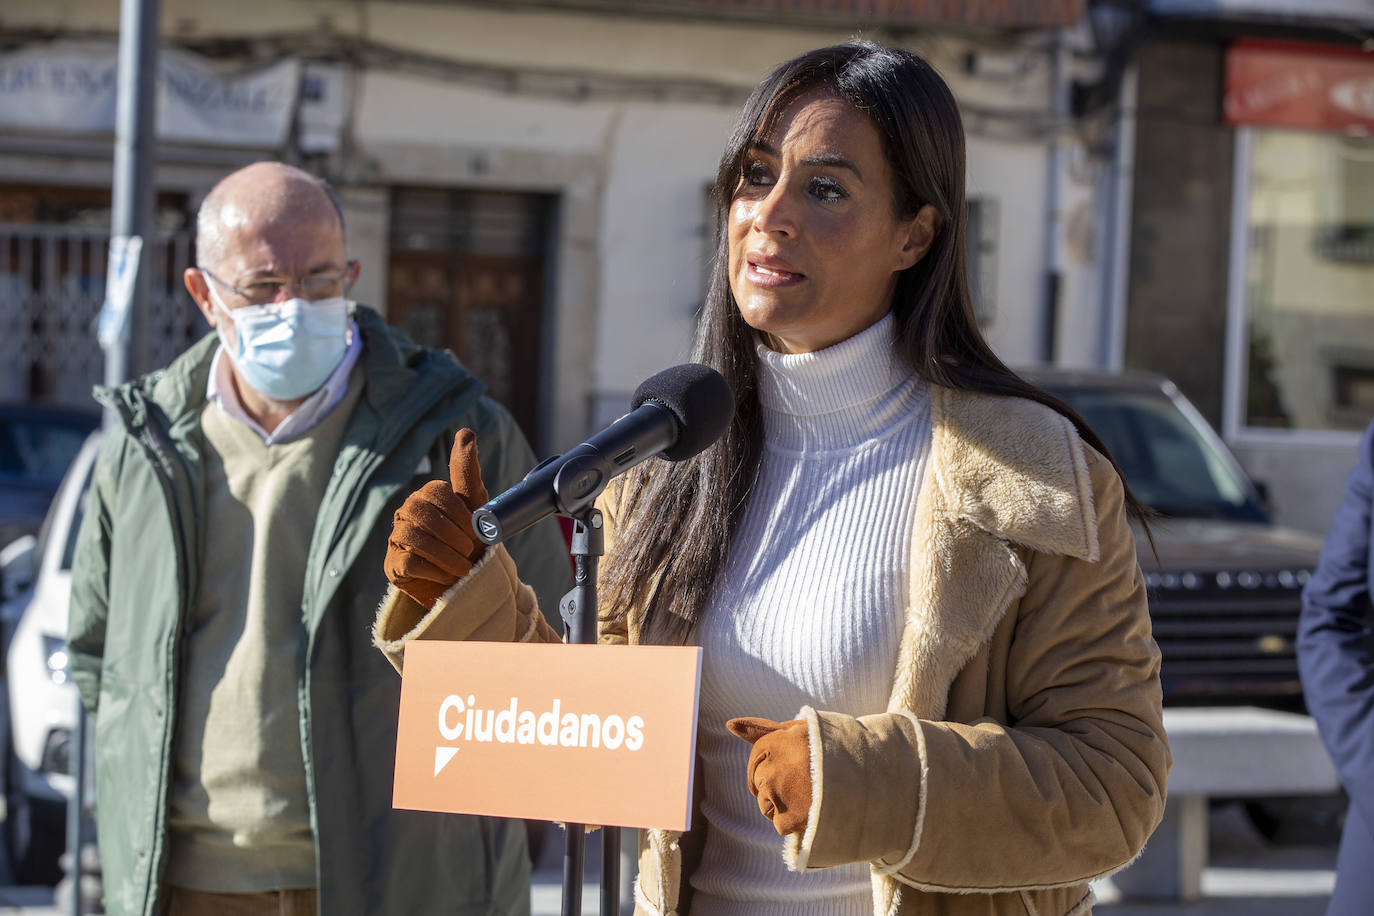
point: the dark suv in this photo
(1226, 590)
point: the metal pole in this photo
(130, 219)
(579, 615)
(579, 612)
(1053, 272)
(1112, 347)
(131, 216)
(610, 871)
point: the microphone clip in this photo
(579, 481)
(579, 606)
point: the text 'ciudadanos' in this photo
(464, 718)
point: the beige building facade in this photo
(525, 182)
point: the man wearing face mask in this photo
(226, 579)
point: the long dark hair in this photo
(677, 519)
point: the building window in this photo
(1309, 281)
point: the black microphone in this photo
(676, 414)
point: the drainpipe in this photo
(1112, 344)
(1054, 243)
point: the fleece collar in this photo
(1007, 477)
(1014, 468)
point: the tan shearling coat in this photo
(1022, 753)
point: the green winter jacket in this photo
(134, 583)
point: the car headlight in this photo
(55, 655)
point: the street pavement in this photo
(1246, 876)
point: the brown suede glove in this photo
(432, 543)
(779, 769)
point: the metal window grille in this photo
(52, 284)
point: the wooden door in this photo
(475, 286)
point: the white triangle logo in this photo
(442, 755)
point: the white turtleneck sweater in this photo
(813, 599)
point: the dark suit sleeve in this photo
(1336, 639)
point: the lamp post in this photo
(126, 297)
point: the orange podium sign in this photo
(582, 734)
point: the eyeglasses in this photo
(271, 289)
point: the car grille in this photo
(1228, 638)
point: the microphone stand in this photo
(579, 612)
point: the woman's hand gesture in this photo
(433, 543)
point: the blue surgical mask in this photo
(286, 350)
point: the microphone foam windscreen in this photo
(701, 400)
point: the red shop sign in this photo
(1284, 84)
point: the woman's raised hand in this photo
(433, 543)
(779, 769)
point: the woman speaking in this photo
(927, 660)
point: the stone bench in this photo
(1239, 752)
